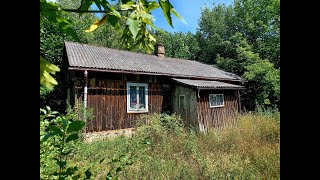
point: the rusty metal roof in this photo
(203, 84)
(90, 57)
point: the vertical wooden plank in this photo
(112, 105)
(125, 114)
(97, 102)
(109, 112)
(97, 111)
(118, 104)
(104, 92)
(89, 105)
(150, 97)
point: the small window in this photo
(137, 97)
(181, 102)
(216, 100)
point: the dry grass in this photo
(250, 150)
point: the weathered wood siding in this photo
(189, 112)
(217, 117)
(109, 102)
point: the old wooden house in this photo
(121, 85)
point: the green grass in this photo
(250, 150)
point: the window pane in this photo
(142, 97)
(133, 97)
(181, 102)
(210, 100)
(215, 100)
(219, 100)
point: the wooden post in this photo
(239, 102)
(85, 88)
(85, 94)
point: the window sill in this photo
(134, 112)
(216, 106)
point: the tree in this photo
(241, 37)
(179, 44)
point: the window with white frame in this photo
(216, 100)
(137, 97)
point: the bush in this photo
(169, 123)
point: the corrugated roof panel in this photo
(207, 84)
(89, 56)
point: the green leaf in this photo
(152, 5)
(114, 21)
(43, 111)
(45, 69)
(88, 174)
(155, 27)
(115, 13)
(126, 1)
(75, 126)
(64, 122)
(148, 16)
(126, 6)
(178, 15)
(102, 160)
(48, 135)
(54, 128)
(85, 4)
(151, 38)
(133, 27)
(66, 152)
(72, 137)
(101, 3)
(69, 171)
(62, 164)
(166, 7)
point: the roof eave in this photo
(149, 73)
(220, 88)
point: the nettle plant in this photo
(58, 132)
(58, 137)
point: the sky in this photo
(189, 10)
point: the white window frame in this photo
(210, 95)
(145, 85)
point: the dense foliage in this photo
(244, 38)
(179, 45)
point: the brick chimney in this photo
(159, 50)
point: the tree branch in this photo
(84, 11)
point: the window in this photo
(181, 102)
(216, 100)
(137, 97)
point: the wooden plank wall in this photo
(109, 103)
(190, 113)
(217, 117)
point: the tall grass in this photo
(164, 150)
